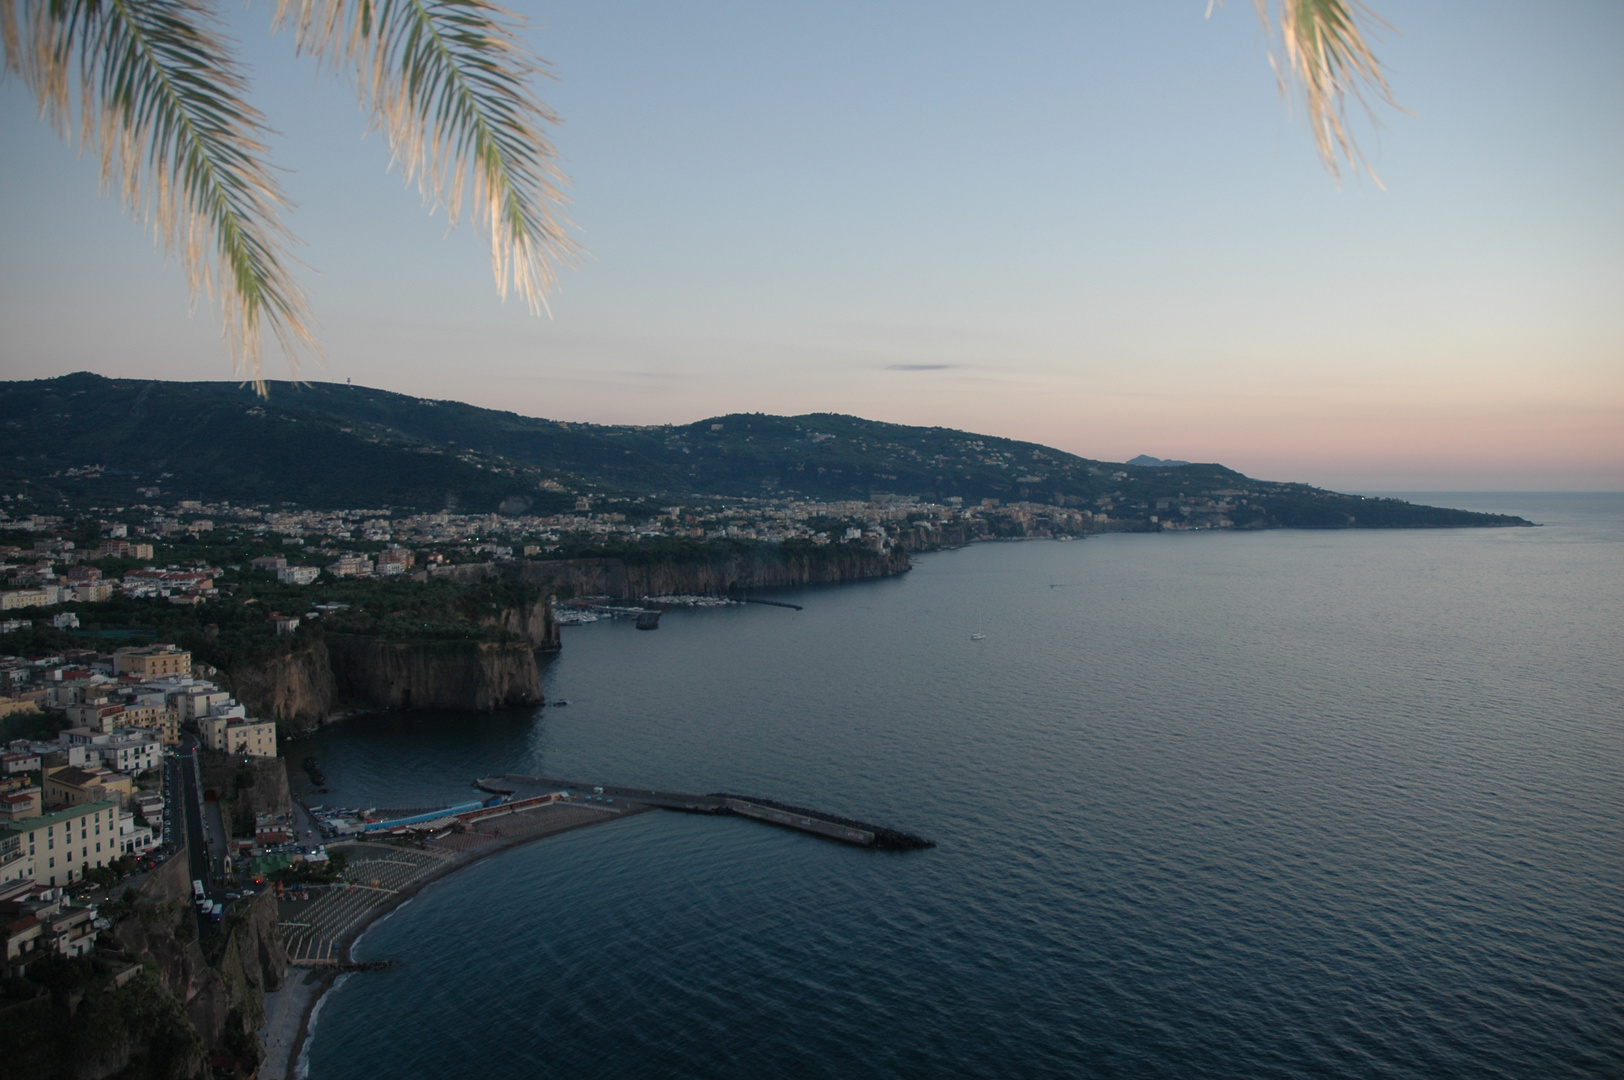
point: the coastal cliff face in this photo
(945, 536)
(615, 577)
(226, 1002)
(308, 687)
(187, 1004)
(534, 622)
(296, 689)
(471, 677)
(227, 997)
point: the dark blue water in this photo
(1256, 805)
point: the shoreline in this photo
(321, 979)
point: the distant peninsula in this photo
(83, 440)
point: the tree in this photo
(1327, 61)
(163, 104)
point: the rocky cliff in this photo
(223, 989)
(934, 539)
(294, 688)
(765, 568)
(186, 1001)
(532, 621)
(475, 676)
(226, 1002)
(319, 679)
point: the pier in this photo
(818, 823)
(773, 603)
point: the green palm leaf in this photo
(161, 102)
(447, 82)
(1328, 61)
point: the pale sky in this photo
(1092, 225)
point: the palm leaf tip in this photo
(161, 102)
(448, 82)
(1326, 61)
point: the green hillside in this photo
(326, 445)
(217, 441)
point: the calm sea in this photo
(1278, 804)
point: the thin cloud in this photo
(919, 367)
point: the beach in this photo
(380, 878)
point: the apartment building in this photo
(152, 661)
(238, 735)
(74, 785)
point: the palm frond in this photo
(448, 83)
(161, 103)
(1327, 61)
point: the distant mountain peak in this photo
(1146, 459)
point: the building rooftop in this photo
(56, 817)
(77, 776)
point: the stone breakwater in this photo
(801, 819)
(834, 826)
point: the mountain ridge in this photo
(328, 445)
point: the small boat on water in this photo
(978, 636)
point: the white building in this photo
(196, 703)
(130, 752)
(23, 761)
(135, 839)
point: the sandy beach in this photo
(321, 942)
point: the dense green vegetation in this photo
(237, 627)
(216, 441)
(67, 1016)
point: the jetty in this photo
(817, 822)
(772, 603)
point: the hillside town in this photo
(308, 544)
(132, 759)
(75, 804)
(83, 799)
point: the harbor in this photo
(389, 855)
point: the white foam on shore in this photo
(301, 1067)
(380, 919)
